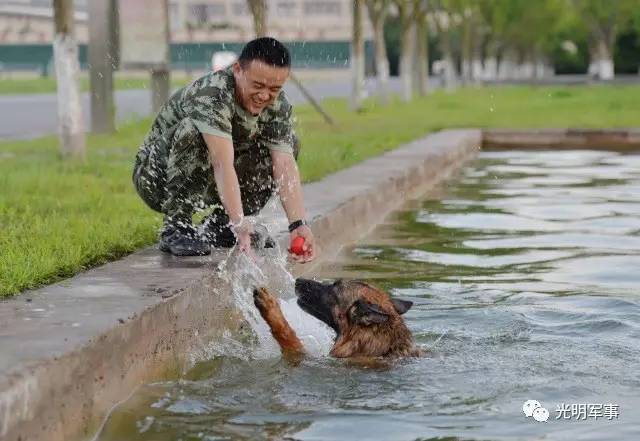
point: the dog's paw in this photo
(264, 300)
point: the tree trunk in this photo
(407, 48)
(357, 57)
(508, 65)
(543, 67)
(527, 70)
(422, 55)
(539, 64)
(604, 60)
(450, 74)
(477, 69)
(406, 62)
(490, 72)
(102, 62)
(377, 15)
(65, 54)
(491, 68)
(258, 10)
(467, 50)
(444, 33)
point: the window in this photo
(240, 8)
(286, 9)
(198, 14)
(216, 10)
(202, 13)
(322, 8)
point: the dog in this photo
(368, 323)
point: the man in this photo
(226, 141)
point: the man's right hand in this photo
(243, 235)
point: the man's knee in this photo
(149, 179)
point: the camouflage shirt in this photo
(211, 105)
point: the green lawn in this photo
(58, 218)
(20, 86)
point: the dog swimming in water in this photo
(367, 321)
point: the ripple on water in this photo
(482, 261)
(588, 241)
(486, 222)
(599, 274)
(519, 293)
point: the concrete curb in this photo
(73, 350)
(620, 139)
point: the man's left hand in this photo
(309, 246)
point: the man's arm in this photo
(285, 172)
(221, 157)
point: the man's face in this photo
(258, 84)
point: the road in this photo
(32, 116)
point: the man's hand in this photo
(309, 246)
(285, 172)
(243, 234)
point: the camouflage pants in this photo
(173, 175)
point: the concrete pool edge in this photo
(550, 138)
(77, 348)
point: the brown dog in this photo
(367, 321)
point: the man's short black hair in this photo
(266, 49)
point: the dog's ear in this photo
(401, 306)
(365, 313)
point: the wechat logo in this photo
(533, 408)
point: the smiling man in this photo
(226, 141)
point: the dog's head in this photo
(367, 320)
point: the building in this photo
(318, 32)
(31, 21)
(288, 20)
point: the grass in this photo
(22, 86)
(58, 218)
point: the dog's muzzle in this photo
(317, 299)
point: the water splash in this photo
(267, 267)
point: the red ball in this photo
(296, 245)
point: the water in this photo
(524, 276)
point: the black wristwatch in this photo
(296, 224)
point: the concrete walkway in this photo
(72, 350)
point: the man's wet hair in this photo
(266, 49)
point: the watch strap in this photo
(296, 224)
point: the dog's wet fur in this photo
(367, 321)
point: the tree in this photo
(445, 13)
(519, 32)
(357, 56)
(378, 11)
(405, 14)
(604, 20)
(65, 53)
(103, 60)
(533, 48)
(422, 45)
(259, 13)
(494, 21)
(470, 41)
